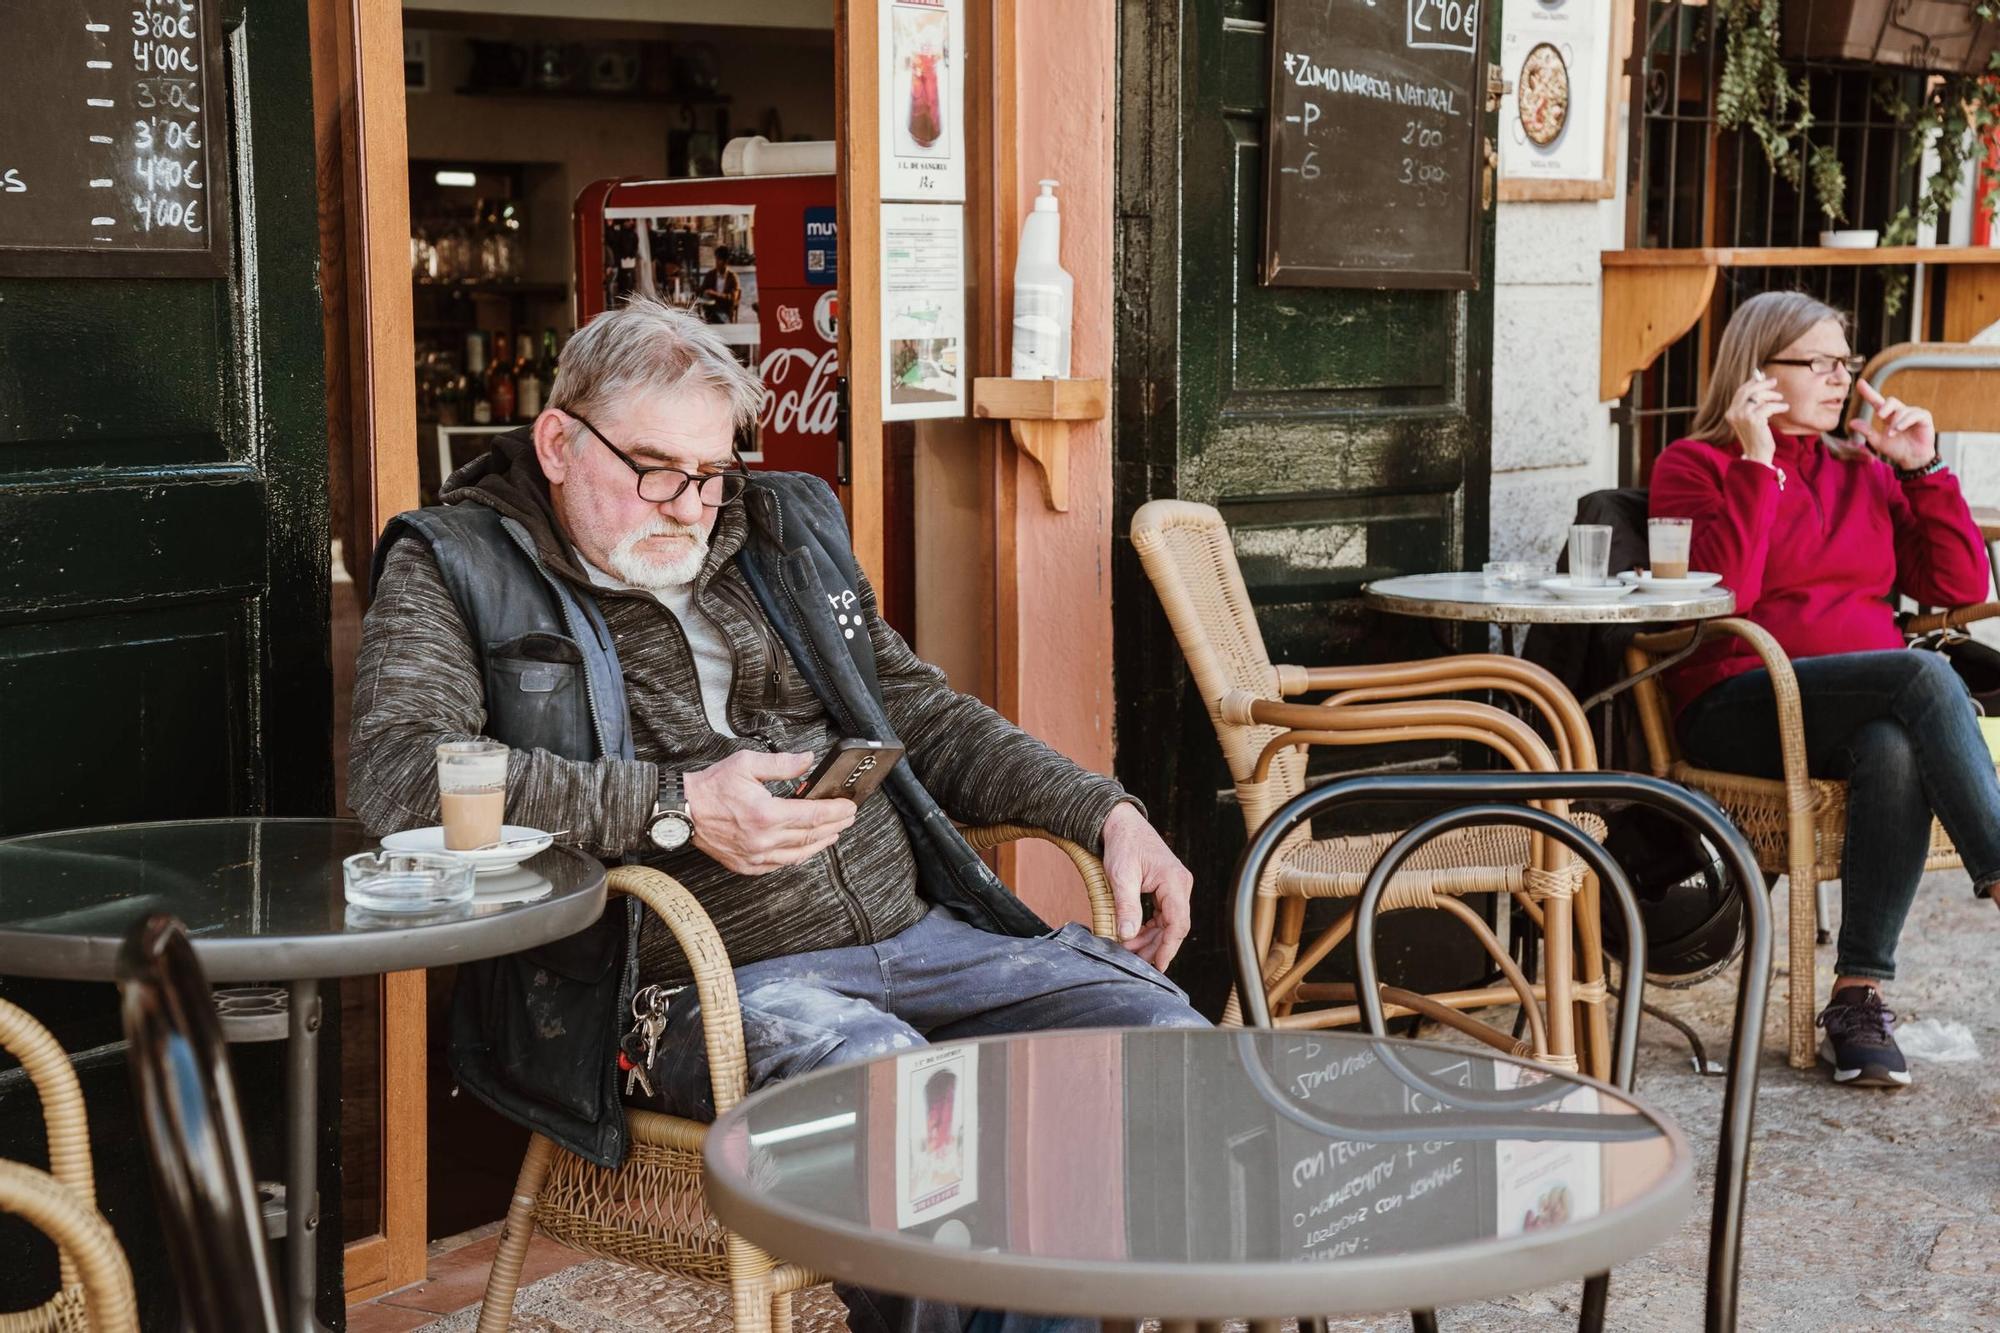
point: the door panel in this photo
(1343, 433)
(163, 584)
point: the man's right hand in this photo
(741, 826)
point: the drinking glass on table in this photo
(1667, 543)
(1590, 555)
(472, 792)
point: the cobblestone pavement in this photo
(1867, 1210)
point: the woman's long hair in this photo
(1762, 327)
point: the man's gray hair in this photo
(648, 346)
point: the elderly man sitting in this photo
(660, 636)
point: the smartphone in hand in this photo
(852, 768)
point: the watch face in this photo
(670, 833)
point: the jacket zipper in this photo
(848, 898)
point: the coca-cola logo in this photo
(799, 393)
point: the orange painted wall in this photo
(1065, 125)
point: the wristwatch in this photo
(670, 826)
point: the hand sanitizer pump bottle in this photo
(1044, 295)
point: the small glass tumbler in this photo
(472, 793)
(1589, 555)
(407, 882)
(1507, 573)
(1668, 541)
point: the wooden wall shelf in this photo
(1652, 297)
(1038, 413)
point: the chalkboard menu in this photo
(1372, 155)
(112, 156)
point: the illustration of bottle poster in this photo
(1557, 54)
(937, 1134)
(1550, 1182)
(923, 311)
(923, 99)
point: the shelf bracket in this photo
(1038, 414)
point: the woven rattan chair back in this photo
(62, 1202)
(1186, 552)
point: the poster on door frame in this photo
(922, 96)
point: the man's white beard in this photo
(660, 572)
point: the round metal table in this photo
(1467, 597)
(262, 901)
(1198, 1175)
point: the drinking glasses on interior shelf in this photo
(1590, 555)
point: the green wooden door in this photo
(163, 576)
(1343, 433)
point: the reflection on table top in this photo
(1198, 1174)
(1468, 597)
(262, 901)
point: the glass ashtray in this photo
(407, 882)
(1510, 573)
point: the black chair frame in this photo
(1493, 792)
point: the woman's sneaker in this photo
(1857, 1042)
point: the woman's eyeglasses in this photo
(1822, 365)
(663, 485)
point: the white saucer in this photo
(1696, 581)
(483, 863)
(516, 885)
(1569, 592)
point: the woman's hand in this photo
(1750, 414)
(1901, 436)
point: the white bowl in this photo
(484, 863)
(1863, 238)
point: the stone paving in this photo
(1868, 1211)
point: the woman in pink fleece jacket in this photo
(1815, 535)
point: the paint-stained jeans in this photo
(1900, 729)
(937, 981)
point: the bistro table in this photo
(1198, 1174)
(262, 900)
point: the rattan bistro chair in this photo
(1797, 824)
(95, 1283)
(651, 1212)
(1187, 554)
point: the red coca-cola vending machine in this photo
(661, 238)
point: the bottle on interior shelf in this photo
(500, 380)
(545, 368)
(475, 376)
(528, 397)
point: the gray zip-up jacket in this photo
(420, 682)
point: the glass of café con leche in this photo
(472, 793)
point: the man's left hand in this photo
(1138, 863)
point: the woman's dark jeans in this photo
(1899, 728)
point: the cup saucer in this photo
(483, 863)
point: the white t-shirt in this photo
(714, 666)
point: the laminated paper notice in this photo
(1557, 55)
(937, 1133)
(923, 311)
(923, 99)
(1539, 1184)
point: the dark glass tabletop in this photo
(262, 901)
(1198, 1174)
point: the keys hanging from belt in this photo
(641, 1045)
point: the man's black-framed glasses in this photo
(1822, 365)
(663, 485)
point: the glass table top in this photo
(262, 901)
(1166, 1160)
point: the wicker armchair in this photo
(651, 1212)
(96, 1283)
(1796, 824)
(1187, 554)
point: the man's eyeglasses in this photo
(1822, 365)
(663, 485)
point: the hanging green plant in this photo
(1757, 94)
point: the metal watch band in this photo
(672, 797)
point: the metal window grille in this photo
(1694, 185)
